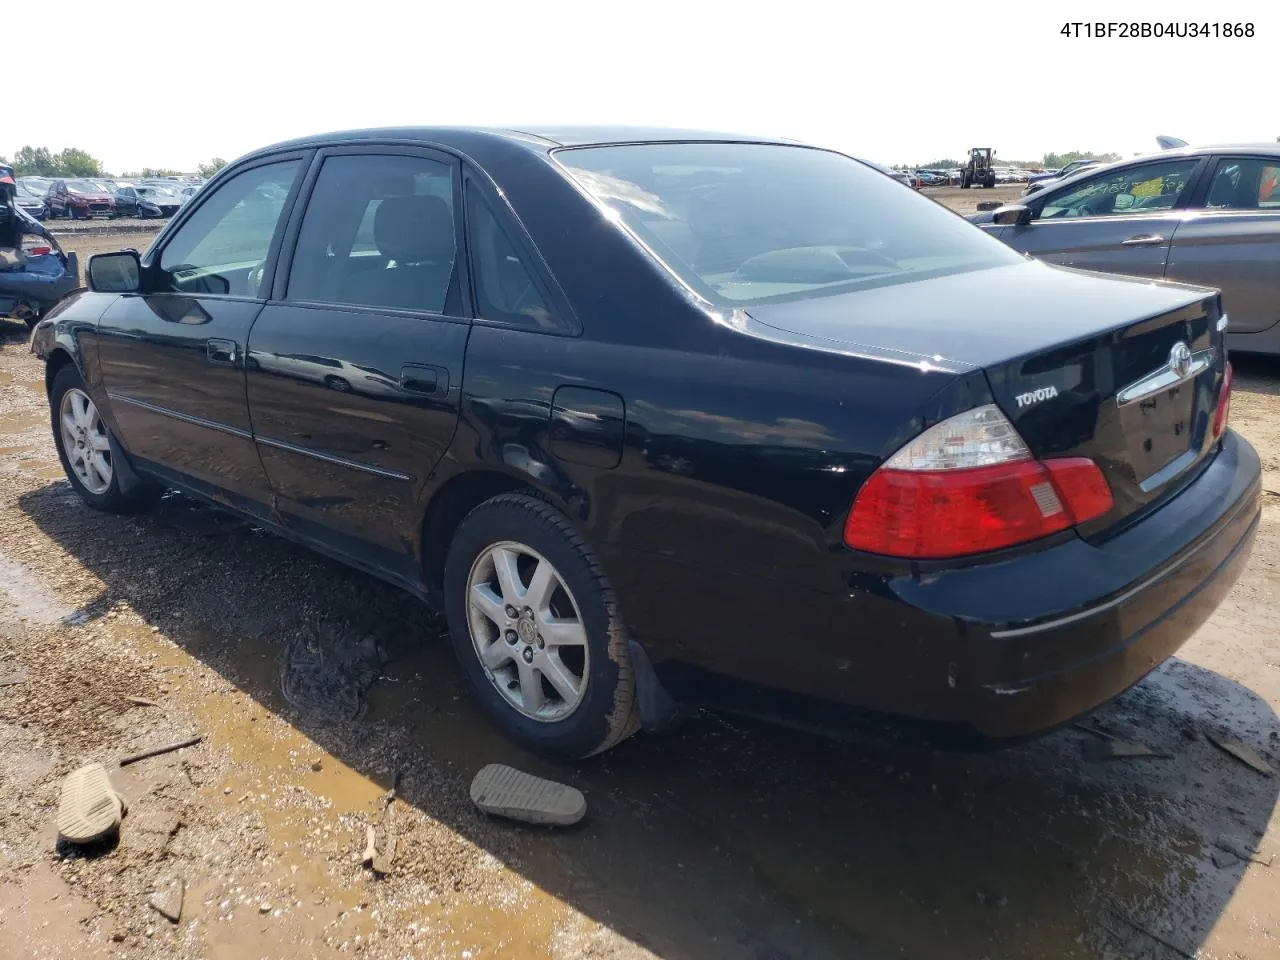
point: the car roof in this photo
(533, 137)
(1209, 149)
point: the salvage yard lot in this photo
(722, 839)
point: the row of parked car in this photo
(952, 178)
(84, 198)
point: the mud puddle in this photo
(23, 596)
(8, 378)
(822, 846)
(14, 423)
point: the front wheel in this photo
(536, 629)
(86, 448)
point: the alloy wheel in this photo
(85, 441)
(527, 631)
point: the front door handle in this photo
(221, 351)
(1144, 240)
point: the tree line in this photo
(73, 162)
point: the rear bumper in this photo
(1006, 649)
(1113, 612)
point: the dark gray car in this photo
(1203, 215)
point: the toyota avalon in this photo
(651, 414)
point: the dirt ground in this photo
(723, 839)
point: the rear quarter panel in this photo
(737, 469)
(1239, 253)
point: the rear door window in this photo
(379, 231)
(1244, 183)
(506, 287)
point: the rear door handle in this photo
(1144, 240)
(221, 351)
(426, 380)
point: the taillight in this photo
(1223, 411)
(969, 485)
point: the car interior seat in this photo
(1224, 190)
(416, 236)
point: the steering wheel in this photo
(253, 280)
(872, 252)
(527, 293)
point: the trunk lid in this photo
(1125, 372)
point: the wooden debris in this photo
(167, 748)
(1245, 754)
(382, 862)
(1113, 748)
(1180, 951)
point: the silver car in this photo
(1204, 215)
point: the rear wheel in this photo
(86, 448)
(536, 630)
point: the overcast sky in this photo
(893, 82)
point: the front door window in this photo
(222, 248)
(1146, 188)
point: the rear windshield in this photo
(745, 223)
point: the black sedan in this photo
(30, 200)
(659, 415)
(143, 200)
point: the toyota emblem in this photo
(1180, 359)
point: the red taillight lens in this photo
(969, 485)
(1084, 490)
(1221, 414)
(953, 513)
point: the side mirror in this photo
(115, 272)
(1012, 215)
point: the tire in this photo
(110, 497)
(604, 712)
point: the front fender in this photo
(69, 333)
